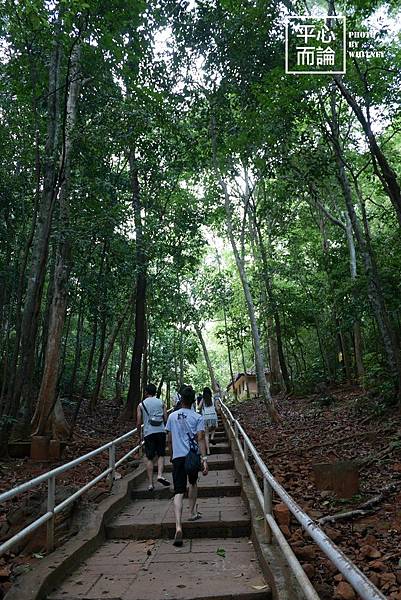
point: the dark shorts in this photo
(155, 444)
(180, 476)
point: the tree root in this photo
(392, 447)
(364, 509)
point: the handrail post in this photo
(140, 453)
(246, 451)
(267, 507)
(51, 502)
(112, 464)
(236, 429)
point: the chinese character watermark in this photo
(315, 45)
(321, 45)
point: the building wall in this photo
(240, 387)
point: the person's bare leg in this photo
(207, 440)
(149, 470)
(178, 504)
(212, 434)
(160, 466)
(192, 497)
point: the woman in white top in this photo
(208, 411)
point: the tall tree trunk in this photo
(226, 334)
(301, 352)
(44, 416)
(28, 243)
(107, 353)
(65, 342)
(89, 364)
(346, 225)
(21, 279)
(22, 392)
(160, 387)
(176, 374)
(263, 385)
(85, 381)
(134, 390)
(149, 355)
(325, 360)
(208, 362)
(357, 334)
(181, 354)
(78, 347)
(375, 293)
(276, 377)
(145, 359)
(382, 168)
(248, 393)
(273, 304)
(124, 340)
(47, 301)
(345, 361)
(100, 359)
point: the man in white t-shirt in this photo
(152, 413)
(182, 425)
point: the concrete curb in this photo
(278, 575)
(37, 584)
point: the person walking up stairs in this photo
(152, 413)
(137, 561)
(186, 431)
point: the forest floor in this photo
(91, 431)
(342, 424)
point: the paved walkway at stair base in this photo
(145, 570)
(139, 562)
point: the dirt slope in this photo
(341, 424)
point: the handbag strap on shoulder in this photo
(192, 441)
(144, 407)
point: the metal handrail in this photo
(50, 477)
(357, 579)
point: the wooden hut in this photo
(244, 382)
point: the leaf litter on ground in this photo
(346, 429)
(92, 431)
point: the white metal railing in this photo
(359, 581)
(50, 477)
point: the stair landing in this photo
(219, 568)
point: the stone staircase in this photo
(137, 561)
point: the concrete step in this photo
(220, 440)
(216, 462)
(212, 569)
(220, 448)
(216, 484)
(144, 519)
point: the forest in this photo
(176, 208)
